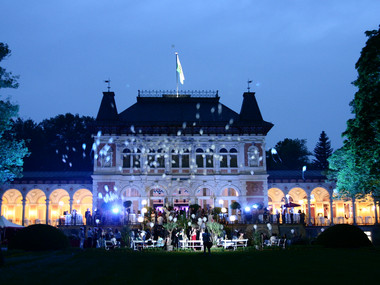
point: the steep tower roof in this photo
(250, 110)
(107, 110)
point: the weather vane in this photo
(249, 82)
(108, 83)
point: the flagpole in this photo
(176, 72)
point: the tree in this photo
(12, 151)
(57, 144)
(322, 152)
(356, 166)
(7, 80)
(289, 154)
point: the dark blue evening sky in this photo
(300, 55)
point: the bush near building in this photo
(39, 237)
(343, 236)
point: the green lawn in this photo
(307, 265)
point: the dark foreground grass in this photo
(310, 265)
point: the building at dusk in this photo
(179, 149)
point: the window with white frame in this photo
(204, 159)
(180, 158)
(228, 159)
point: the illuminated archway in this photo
(320, 206)
(228, 196)
(35, 207)
(12, 206)
(157, 197)
(275, 200)
(133, 195)
(205, 197)
(181, 199)
(299, 196)
(365, 210)
(59, 205)
(82, 200)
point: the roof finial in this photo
(249, 82)
(108, 83)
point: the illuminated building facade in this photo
(169, 149)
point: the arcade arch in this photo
(35, 207)
(229, 195)
(59, 205)
(205, 197)
(12, 206)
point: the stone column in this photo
(331, 211)
(23, 210)
(309, 212)
(354, 210)
(47, 211)
(374, 202)
(71, 206)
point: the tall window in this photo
(127, 158)
(199, 158)
(223, 158)
(160, 159)
(175, 159)
(137, 158)
(233, 158)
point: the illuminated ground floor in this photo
(48, 200)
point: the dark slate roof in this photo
(295, 174)
(80, 177)
(166, 114)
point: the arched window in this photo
(180, 158)
(223, 158)
(127, 158)
(233, 158)
(151, 157)
(175, 158)
(160, 159)
(137, 158)
(199, 157)
(228, 159)
(253, 156)
(210, 158)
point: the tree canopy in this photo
(356, 166)
(12, 151)
(7, 79)
(289, 154)
(57, 144)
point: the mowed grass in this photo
(310, 265)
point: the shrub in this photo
(39, 237)
(343, 236)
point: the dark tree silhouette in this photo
(322, 152)
(289, 154)
(57, 144)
